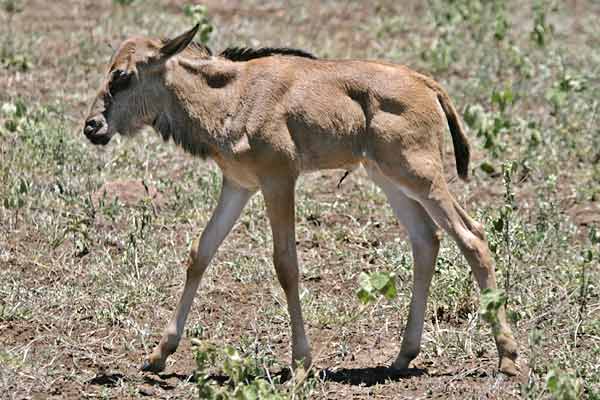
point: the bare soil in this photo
(81, 315)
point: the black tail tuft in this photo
(462, 151)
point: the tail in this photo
(460, 142)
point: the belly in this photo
(328, 152)
(330, 137)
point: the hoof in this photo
(156, 366)
(508, 367)
(400, 364)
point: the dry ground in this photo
(93, 241)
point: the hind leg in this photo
(425, 242)
(486, 278)
(471, 240)
(430, 190)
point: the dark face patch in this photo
(120, 80)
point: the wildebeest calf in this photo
(266, 116)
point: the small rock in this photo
(147, 391)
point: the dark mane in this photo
(248, 53)
(200, 48)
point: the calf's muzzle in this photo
(96, 130)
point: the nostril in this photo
(92, 125)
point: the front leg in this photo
(231, 203)
(279, 199)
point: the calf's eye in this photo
(119, 80)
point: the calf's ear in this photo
(178, 44)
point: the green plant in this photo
(12, 7)
(13, 113)
(503, 224)
(493, 126)
(542, 30)
(503, 98)
(441, 54)
(490, 303)
(559, 93)
(116, 309)
(16, 197)
(79, 229)
(245, 379)
(589, 255)
(563, 385)
(124, 3)
(9, 56)
(14, 312)
(501, 25)
(374, 284)
(199, 15)
(490, 127)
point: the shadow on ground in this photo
(369, 376)
(108, 380)
(348, 376)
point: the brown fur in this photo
(269, 119)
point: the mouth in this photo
(99, 139)
(97, 133)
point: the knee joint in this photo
(480, 250)
(479, 230)
(197, 262)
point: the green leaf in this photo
(390, 291)
(488, 168)
(249, 392)
(491, 301)
(594, 235)
(376, 284)
(499, 224)
(552, 381)
(364, 296)
(379, 280)
(23, 186)
(364, 281)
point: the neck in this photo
(201, 96)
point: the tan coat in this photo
(265, 117)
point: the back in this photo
(324, 106)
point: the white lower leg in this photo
(230, 205)
(174, 330)
(300, 344)
(278, 193)
(424, 255)
(287, 273)
(425, 246)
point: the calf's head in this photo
(130, 95)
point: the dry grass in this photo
(89, 275)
